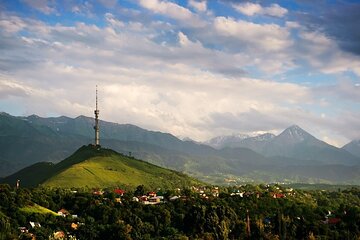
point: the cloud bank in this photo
(191, 69)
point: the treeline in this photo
(248, 212)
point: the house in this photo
(23, 230)
(173, 198)
(151, 194)
(215, 191)
(59, 235)
(154, 200)
(143, 198)
(277, 195)
(204, 196)
(119, 192)
(135, 199)
(98, 193)
(74, 226)
(237, 193)
(34, 224)
(63, 212)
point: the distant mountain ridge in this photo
(353, 147)
(293, 134)
(255, 143)
(28, 140)
(295, 143)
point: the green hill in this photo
(92, 167)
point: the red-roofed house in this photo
(119, 191)
(151, 194)
(63, 212)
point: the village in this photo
(117, 196)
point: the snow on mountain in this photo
(262, 137)
(225, 141)
(240, 140)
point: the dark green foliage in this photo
(300, 215)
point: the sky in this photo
(196, 69)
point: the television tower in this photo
(96, 127)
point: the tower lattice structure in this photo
(96, 127)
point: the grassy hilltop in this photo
(92, 167)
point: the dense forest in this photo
(243, 212)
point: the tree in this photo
(140, 190)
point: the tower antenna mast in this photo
(96, 127)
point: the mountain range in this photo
(292, 156)
(294, 143)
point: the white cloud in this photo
(183, 40)
(174, 11)
(10, 88)
(251, 9)
(248, 8)
(12, 24)
(275, 10)
(324, 54)
(198, 5)
(44, 6)
(268, 37)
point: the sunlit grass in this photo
(112, 170)
(37, 209)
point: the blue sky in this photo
(193, 68)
